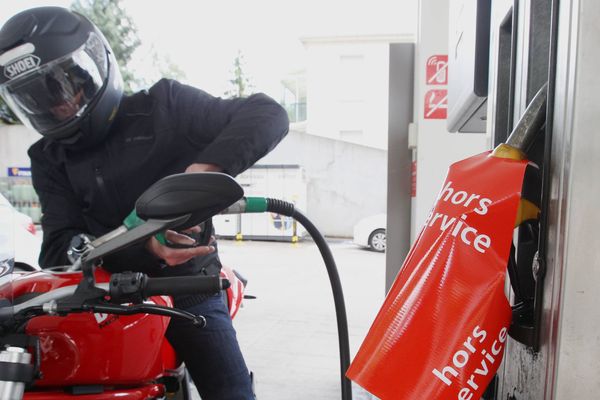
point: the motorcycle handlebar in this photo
(181, 285)
(123, 287)
(136, 286)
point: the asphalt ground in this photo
(288, 334)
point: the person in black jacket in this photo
(100, 150)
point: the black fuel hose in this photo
(289, 210)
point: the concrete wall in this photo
(338, 174)
(345, 181)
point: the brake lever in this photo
(197, 320)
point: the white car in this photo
(18, 235)
(370, 232)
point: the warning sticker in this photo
(413, 183)
(436, 104)
(436, 71)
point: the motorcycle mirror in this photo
(200, 194)
(177, 201)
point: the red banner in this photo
(441, 331)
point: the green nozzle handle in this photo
(133, 220)
(256, 204)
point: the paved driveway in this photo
(289, 333)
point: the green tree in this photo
(156, 67)
(168, 69)
(119, 30)
(164, 67)
(6, 115)
(240, 83)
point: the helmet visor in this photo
(60, 91)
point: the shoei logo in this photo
(21, 66)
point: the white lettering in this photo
(489, 357)
(463, 235)
(459, 197)
(448, 190)
(482, 242)
(446, 222)
(442, 375)
(437, 215)
(483, 206)
(462, 357)
(465, 394)
(479, 333)
(471, 382)
(483, 370)
(502, 335)
(457, 228)
(469, 346)
(460, 354)
(21, 65)
(496, 351)
(473, 197)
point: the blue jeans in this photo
(212, 354)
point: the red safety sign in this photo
(413, 179)
(436, 104)
(442, 329)
(436, 70)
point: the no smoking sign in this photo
(436, 104)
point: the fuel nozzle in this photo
(261, 204)
(248, 205)
(526, 130)
(519, 142)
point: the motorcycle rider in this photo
(101, 149)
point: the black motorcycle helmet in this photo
(59, 74)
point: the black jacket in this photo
(156, 133)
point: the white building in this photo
(348, 87)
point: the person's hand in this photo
(203, 167)
(172, 256)
(175, 256)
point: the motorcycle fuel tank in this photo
(94, 348)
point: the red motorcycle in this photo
(79, 331)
